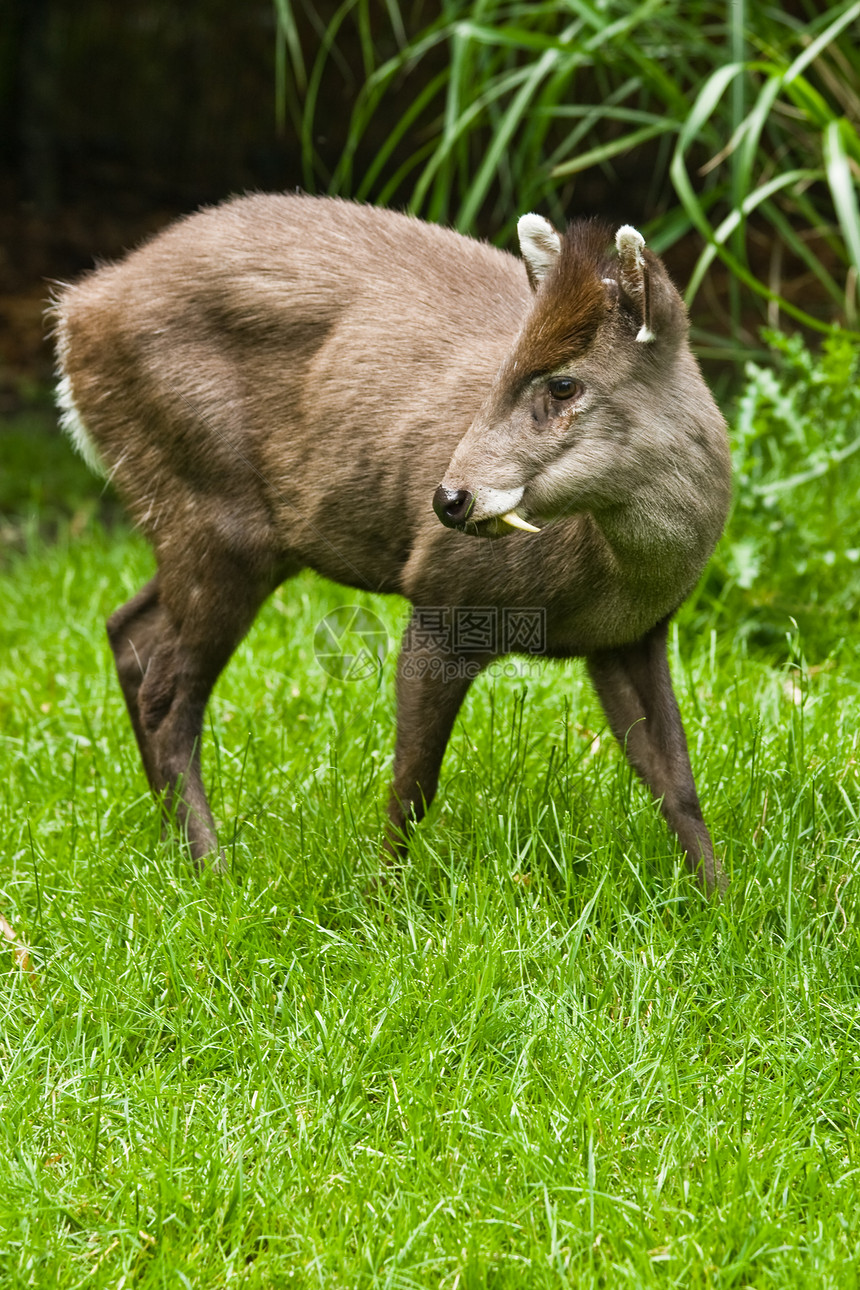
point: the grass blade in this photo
(842, 186)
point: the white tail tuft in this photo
(74, 427)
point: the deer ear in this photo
(635, 276)
(540, 246)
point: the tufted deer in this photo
(282, 381)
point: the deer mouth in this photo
(496, 526)
(488, 512)
(513, 520)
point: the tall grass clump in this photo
(745, 118)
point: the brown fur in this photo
(572, 302)
(281, 382)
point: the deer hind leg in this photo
(135, 631)
(171, 643)
(634, 685)
(432, 682)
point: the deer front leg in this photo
(432, 681)
(635, 688)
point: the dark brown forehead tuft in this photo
(571, 302)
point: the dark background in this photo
(116, 115)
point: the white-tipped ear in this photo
(634, 275)
(540, 246)
(629, 242)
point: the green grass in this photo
(541, 1060)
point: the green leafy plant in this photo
(792, 547)
(746, 117)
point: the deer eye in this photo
(564, 387)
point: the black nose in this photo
(452, 506)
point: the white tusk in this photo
(515, 521)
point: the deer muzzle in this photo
(488, 512)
